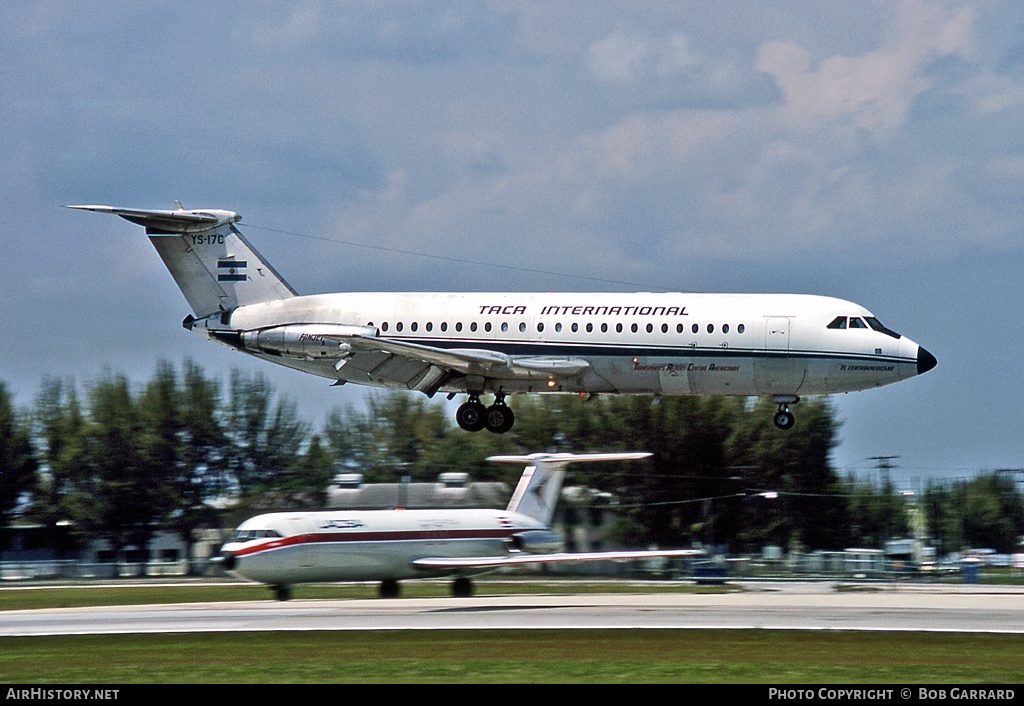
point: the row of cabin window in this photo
(635, 328)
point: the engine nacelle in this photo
(306, 341)
(538, 542)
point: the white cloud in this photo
(873, 91)
(301, 25)
(625, 59)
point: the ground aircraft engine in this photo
(538, 542)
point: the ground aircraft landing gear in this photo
(282, 593)
(473, 416)
(389, 588)
(462, 587)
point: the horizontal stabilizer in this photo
(160, 221)
(564, 458)
(539, 487)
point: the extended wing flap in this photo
(563, 557)
(471, 361)
(460, 360)
(362, 355)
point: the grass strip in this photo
(503, 656)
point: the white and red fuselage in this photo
(375, 545)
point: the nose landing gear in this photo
(784, 419)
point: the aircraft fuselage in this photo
(777, 345)
(370, 545)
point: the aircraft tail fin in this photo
(541, 483)
(213, 264)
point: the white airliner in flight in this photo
(781, 346)
(286, 548)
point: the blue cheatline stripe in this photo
(612, 349)
(641, 349)
(232, 263)
(230, 278)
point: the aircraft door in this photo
(778, 372)
(776, 334)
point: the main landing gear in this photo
(473, 416)
(462, 587)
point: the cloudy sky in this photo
(871, 151)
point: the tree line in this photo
(119, 461)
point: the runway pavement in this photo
(815, 606)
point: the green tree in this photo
(984, 511)
(201, 475)
(313, 473)
(876, 513)
(59, 432)
(399, 434)
(124, 490)
(17, 461)
(942, 518)
(162, 453)
(266, 437)
(348, 432)
(809, 510)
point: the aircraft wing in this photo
(559, 557)
(427, 368)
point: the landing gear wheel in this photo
(282, 593)
(784, 419)
(462, 587)
(389, 588)
(499, 418)
(471, 416)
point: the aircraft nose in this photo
(925, 361)
(226, 560)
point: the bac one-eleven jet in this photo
(781, 346)
(286, 548)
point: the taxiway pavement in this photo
(805, 606)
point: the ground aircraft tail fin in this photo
(213, 264)
(541, 483)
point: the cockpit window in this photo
(249, 535)
(878, 326)
(841, 322)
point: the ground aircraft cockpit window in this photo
(857, 323)
(249, 535)
(838, 322)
